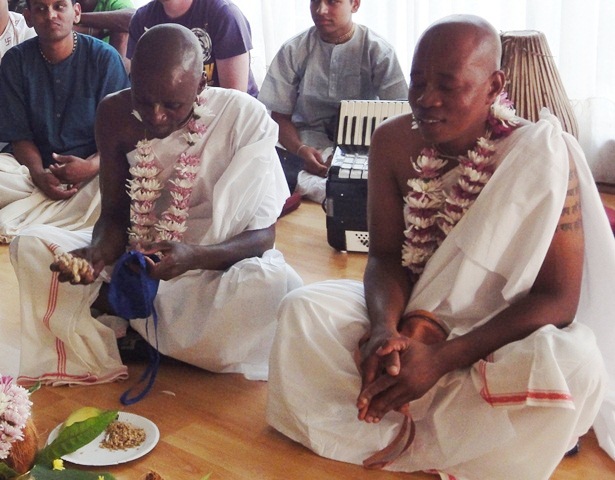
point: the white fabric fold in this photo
(484, 421)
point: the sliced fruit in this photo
(81, 414)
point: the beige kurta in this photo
(512, 415)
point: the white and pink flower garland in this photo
(144, 189)
(430, 212)
(15, 409)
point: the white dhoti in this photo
(22, 204)
(220, 321)
(512, 415)
(518, 433)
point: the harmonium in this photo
(346, 185)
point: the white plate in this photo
(93, 455)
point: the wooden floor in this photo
(215, 423)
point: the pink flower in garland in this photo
(431, 213)
(15, 409)
(145, 188)
(502, 119)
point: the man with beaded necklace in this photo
(468, 351)
(205, 190)
(51, 85)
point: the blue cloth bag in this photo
(131, 294)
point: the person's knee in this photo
(589, 378)
(22, 247)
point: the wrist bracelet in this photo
(299, 149)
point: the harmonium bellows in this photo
(346, 187)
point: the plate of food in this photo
(128, 438)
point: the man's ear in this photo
(77, 10)
(355, 5)
(498, 80)
(203, 81)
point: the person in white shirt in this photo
(13, 28)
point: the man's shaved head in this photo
(469, 33)
(167, 48)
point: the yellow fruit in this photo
(81, 414)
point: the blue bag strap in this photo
(149, 374)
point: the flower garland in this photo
(144, 188)
(430, 212)
(15, 409)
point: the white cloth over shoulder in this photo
(485, 421)
(221, 321)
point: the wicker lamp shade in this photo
(532, 79)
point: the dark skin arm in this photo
(553, 299)
(290, 140)
(387, 284)
(69, 170)
(178, 258)
(110, 236)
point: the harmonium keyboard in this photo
(346, 186)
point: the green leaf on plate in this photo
(75, 436)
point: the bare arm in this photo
(233, 72)
(178, 258)
(387, 284)
(290, 140)
(110, 236)
(113, 21)
(552, 300)
(119, 41)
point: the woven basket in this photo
(532, 79)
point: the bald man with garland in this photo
(205, 190)
(469, 350)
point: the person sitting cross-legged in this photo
(51, 85)
(334, 60)
(475, 347)
(205, 189)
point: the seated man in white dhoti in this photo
(205, 190)
(489, 256)
(50, 87)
